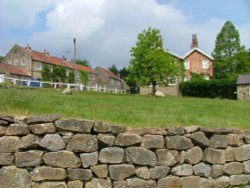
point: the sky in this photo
(106, 30)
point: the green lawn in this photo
(129, 110)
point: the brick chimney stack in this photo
(194, 41)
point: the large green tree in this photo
(114, 69)
(228, 53)
(83, 62)
(150, 64)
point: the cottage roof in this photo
(45, 57)
(173, 54)
(14, 70)
(200, 51)
(109, 73)
(243, 79)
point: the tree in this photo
(1, 59)
(226, 52)
(83, 62)
(46, 73)
(197, 76)
(114, 69)
(150, 64)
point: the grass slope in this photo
(129, 110)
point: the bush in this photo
(209, 88)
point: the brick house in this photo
(24, 62)
(243, 87)
(197, 61)
(109, 80)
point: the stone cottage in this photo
(243, 87)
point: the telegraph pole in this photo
(74, 42)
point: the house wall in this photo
(17, 58)
(47, 151)
(195, 60)
(170, 90)
(243, 92)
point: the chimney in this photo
(28, 47)
(46, 52)
(194, 41)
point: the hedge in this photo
(209, 88)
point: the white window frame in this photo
(23, 63)
(9, 62)
(1, 78)
(38, 66)
(172, 81)
(15, 62)
(187, 65)
(206, 77)
(205, 64)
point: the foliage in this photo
(209, 88)
(110, 108)
(150, 64)
(46, 73)
(58, 74)
(1, 58)
(196, 76)
(114, 69)
(71, 77)
(84, 77)
(228, 53)
(83, 62)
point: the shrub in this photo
(209, 88)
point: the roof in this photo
(14, 70)
(46, 58)
(109, 73)
(243, 79)
(197, 49)
(173, 54)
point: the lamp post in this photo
(74, 42)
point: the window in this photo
(187, 65)
(206, 77)
(39, 66)
(172, 81)
(186, 79)
(23, 63)
(9, 62)
(67, 72)
(205, 64)
(15, 62)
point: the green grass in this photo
(129, 110)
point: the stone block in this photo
(106, 139)
(121, 171)
(242, 179)
(83, 143)
(52, 142)
(190, 182)
(152, 141)
(233, 168)
(28, 158)
(117, 129)
(75, 184)
(53, 185)
(29, 142)
(44, 128)
(217, 171)
(127, 139)
(200, 139)
(81, 126)
(101, 127)
(140, 156)
(140, 183)
(166, 157)
(8, 119)
(98, 183)
(192, 129)
(11, 176)
(193, 155)
(148, 131)
(230, 154)
(112, 155)
(169, 182)
(62, 159)
(48, 173)
(89, 159)
(47, 118)
(178, 143)
(172, 131)
(2, 130)
(214, 156)
(79, 174)
(9, 144)
(242, 153)
(17, 130)
(246, 167)
(218, 141)
(182, 170)
(235, 140)
(101, 171)
(159, 172)
(142, 172)
(203, 170)
(6, 159)
(221, 182)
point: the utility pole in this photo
(74, 42)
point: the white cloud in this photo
(107, 29)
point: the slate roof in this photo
(197, 49)
(243, 79)
(14, 70)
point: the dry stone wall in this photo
(50, 152)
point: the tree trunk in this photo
(153, 88)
